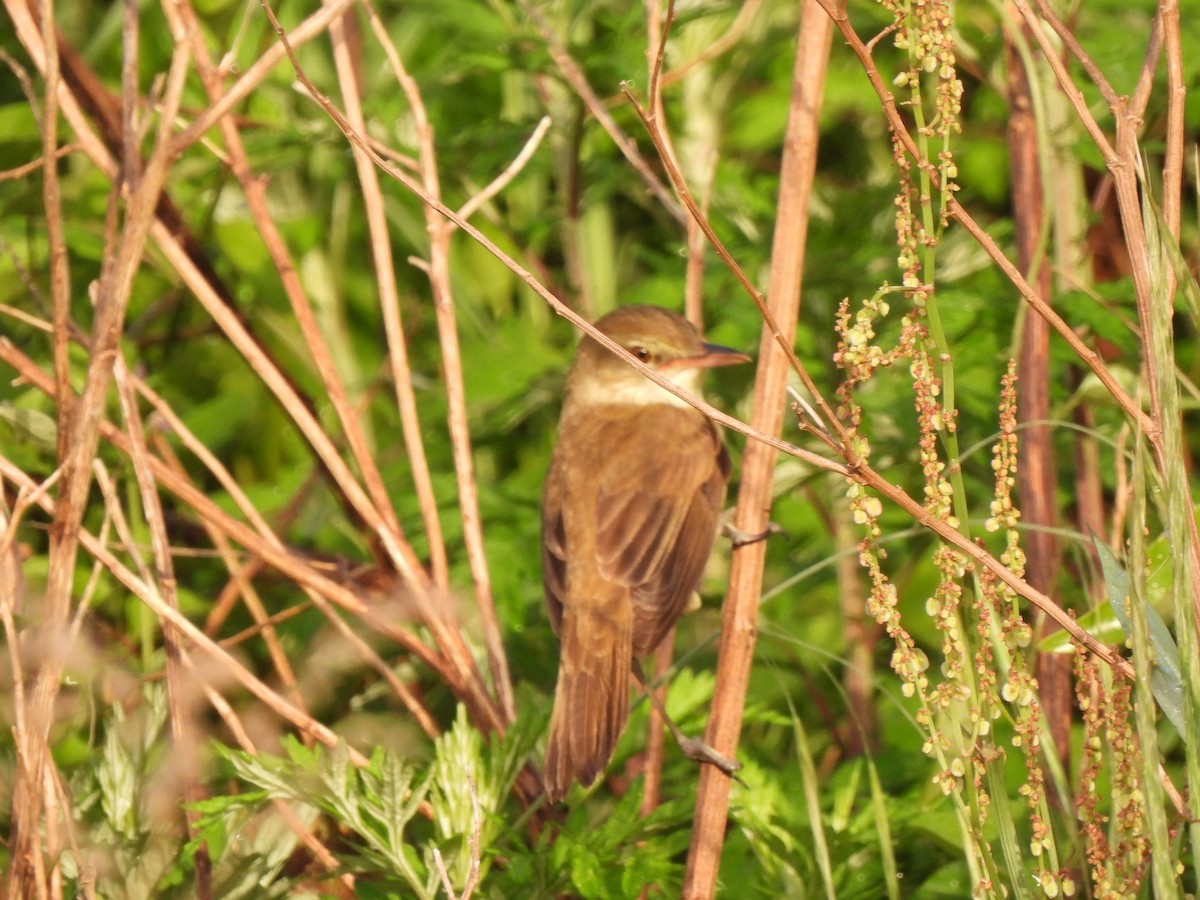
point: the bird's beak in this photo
(714, 355)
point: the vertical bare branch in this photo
(739, 621)
(111, 302)
(60, 272)
(389, 301)
(1176, 95)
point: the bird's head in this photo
(664, 341)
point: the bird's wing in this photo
(660, 494)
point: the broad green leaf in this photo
(1166, 679)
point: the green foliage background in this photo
(487, 78)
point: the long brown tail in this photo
(591, 702)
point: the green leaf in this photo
(1101, 623)
(1166, 680)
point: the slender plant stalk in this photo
(758, 463)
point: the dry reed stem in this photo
(149, 596)
(389, 301)
(740, 611)
(298, 569)
(245, 586)
(77, 448)
(1124, 165)
(254, 191)
(178, 691)
(438, 272)
(60, 273)
(1172, 190)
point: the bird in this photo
(630, 509)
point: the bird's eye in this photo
(640, 352)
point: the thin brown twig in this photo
(656, 48)
(254, 191)
(1076, 49)
(781, 340)
(728, 40)
(60, 273)
(237, 571)
(149, 596)
(178, 691)
(385, 279)
(1067, 84)
(628, 147)
(501, 181)
(40, 163)
(656, 739)
(456, 400)
(252, 631)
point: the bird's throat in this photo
(633, 389)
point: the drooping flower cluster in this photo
(1117, 866)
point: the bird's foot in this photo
(741, 538)
(698, 751)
